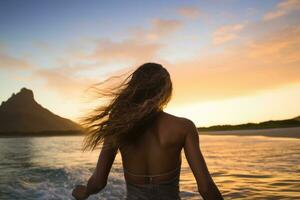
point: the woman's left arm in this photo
(99, 178)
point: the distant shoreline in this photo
(291, 132)
(274, 128)
(272, 124)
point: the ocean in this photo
(243, 167)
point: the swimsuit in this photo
(166, 190)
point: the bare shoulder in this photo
(182, 124)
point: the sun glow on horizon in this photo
(270, 105)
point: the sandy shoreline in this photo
(276, 132)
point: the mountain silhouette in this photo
(21, 113)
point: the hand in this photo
(80, 192)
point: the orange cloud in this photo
(282, 47)
(282, 8)
(159, 28)
(262, 64)
(9, 62)
(127, 50)
(141, 44)
(227, 33)
(68, 80)
(189, 12)
(66, 84)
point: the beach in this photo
(293, 132)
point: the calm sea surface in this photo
(243, 168)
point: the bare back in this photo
(156, 153)
(158, 150)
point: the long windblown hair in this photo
(131, 108)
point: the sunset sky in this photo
(230, 61)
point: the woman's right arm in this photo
(206, 186)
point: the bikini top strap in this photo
(145, 175)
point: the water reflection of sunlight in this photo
(243, 167)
